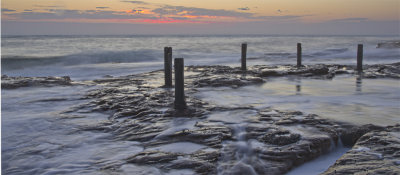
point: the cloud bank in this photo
(141, 17)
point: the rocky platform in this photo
(17, 82)
(210, 139)
(376, 152)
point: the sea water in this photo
(37, 139)
(88, 57)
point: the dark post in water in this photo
(168, 66)
(244, 52)
(359, 58)
(298, 54)
(180, 102)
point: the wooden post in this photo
(244, 52)
(180, 102)
(298, 54)
(359, 58)
(168, 66)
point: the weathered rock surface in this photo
(281, 137)
(17, 82)
(266, 140)
(237, 77)
(216, 76)
(350, 136)
(377, 152)
(382, 71)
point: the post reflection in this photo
(359, 84)
(298, 87)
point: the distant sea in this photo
(89, 57)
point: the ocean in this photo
(89, 57)
(38, 139)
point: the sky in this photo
(286, 17)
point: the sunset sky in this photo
(380, 17)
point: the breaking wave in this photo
(344, 54)
(20, 62)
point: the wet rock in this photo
(328, 71)
(201, 162)
(234, 81)
(271, 73)
(337, 72)
(280, 137)
(382, 71)
(217, 70)
(377, 152)
(143, 134)
(152, 157)
(211, 136)
(286, 157)
(305, 71)
(350, 136)
(320, 70)
(209, 156)
(193, 110)
(312, 70)
(199, 166)
(17, 82)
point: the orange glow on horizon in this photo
(167, 21)
(207, 10)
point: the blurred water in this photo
(88, 57)
(36, 139)
(345, 98)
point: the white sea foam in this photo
(361, 149)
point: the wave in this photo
(20, 62)
(332, 54)
(328, 52)
(389, 44)
(278, 54)
(345, 53)
(321, 54)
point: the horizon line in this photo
(205, 35)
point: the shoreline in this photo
(225, 139)
(324, 71)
